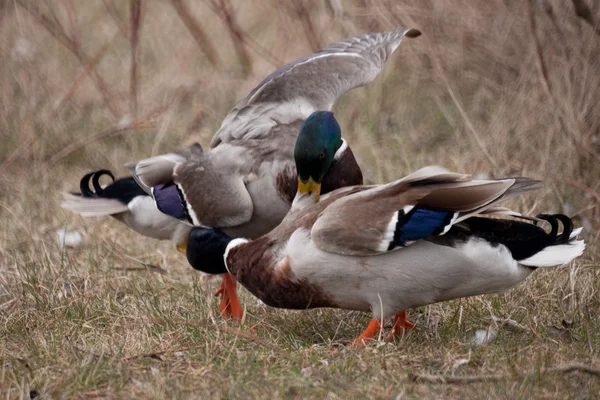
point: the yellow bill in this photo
(309, 188)
(182, 247)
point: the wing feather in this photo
(310, 83)
(426, 203)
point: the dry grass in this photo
(501, 87)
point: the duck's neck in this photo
(267, 273)
(252, 264)
(340, 152)
(302, 200)
(232, 267)
(344, 171)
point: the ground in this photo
(500, 89)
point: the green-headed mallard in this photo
(422, 239)
(246, 183)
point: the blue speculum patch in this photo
(169, 200)
(421, 223)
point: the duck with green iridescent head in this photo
(246, 183)
(319, 143)
(431, 236)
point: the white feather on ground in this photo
(66, 238)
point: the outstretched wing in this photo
(424, 204)
(309, 84)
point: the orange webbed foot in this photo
(229, 305)
(401, 325)
(368, 334)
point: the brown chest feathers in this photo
(342, 172)
(254, 266)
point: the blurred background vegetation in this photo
(493, 88)
(498, 87)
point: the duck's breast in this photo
(270, 188)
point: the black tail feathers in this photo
(123, 189)
(94, 178)
(522, 238)
(554, 219)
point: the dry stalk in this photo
(113, 130)
(19, 151)
(54, 27)
(225, 11)
(246, 39)
(72, 17)
(574, 137)
(541, 64)
(196, 31)
(135, 9)
(581, 186)
(251, 337)
(3, 7)
(457, 103)
(112, 11)
(87, 69)
(339, 14)
(583, 11)
(446, 379)
(307, 25)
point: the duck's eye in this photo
(322, 156)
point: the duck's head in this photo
(205, 250)
(319, 139)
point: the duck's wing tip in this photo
(156, 170)
(310, 83)
(412, 33)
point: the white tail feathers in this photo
(92, 207)
(553, 256)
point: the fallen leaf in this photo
(562, 332)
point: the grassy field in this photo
(494, 88)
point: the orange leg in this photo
(229, 306)
(401, 324)
(372, 330)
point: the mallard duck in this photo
(422, 239)
(246, 183)
(125, 200)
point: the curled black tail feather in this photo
(94, 177)
(523, 239)
(553, 220)
(84, 185)
(124, 189)
(567, 222)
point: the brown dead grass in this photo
(496, 88)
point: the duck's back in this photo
(253, 178)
